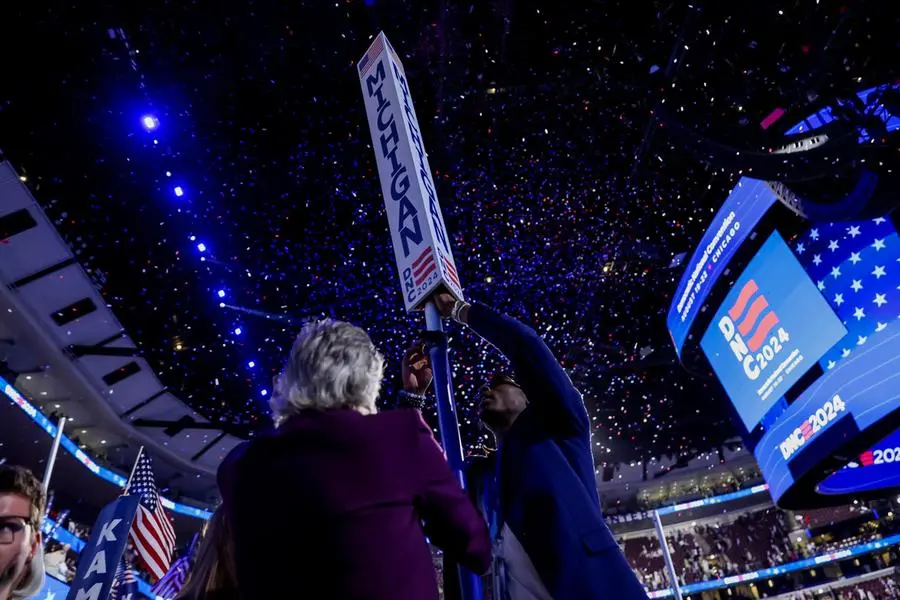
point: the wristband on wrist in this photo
(413, 399)
(458, 306)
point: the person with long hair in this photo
(212, 576)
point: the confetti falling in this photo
(213, 173)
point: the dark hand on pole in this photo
(417, 372)
(444, 303)
(451, 308)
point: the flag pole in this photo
(443, 391)
(470, 583)
(134, 468)
(54, 450)
(193, 545)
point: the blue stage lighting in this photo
(179, 191)
(201, 247)
(150, 122)
(221, 293)
(238, 331)
(251, 364)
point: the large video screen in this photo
(742, 210)
(773, 326)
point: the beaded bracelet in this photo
(414, 400)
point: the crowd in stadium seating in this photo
(755, 540)
(703, 488)
(60, 560)
(881, 588)
(752, 541)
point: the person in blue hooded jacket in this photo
(540, 496)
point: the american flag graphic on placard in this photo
(371, 56)
(856, 266)
(423, 266)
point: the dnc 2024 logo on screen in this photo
(747, 326)
(772, 327)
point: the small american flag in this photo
(151, 532)
(124, 586)
(171, 584)
(371, 55)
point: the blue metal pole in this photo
(469, 583)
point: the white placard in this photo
(421, 243)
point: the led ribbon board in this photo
(743, 209)
(873, 470)
(838, 415)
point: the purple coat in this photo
(332, 505)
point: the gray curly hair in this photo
(333, 364)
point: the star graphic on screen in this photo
(860, 340)
(879, 272)
(880, 299)
(854, 257)
(835, 272)
(814, 233)
(838, 299)
(881, 326)
(879, 244)
(853, 231)
(817, 259)
(831, 364)
(821, 285)
(845, 352)
(833, 245)
(856, 285)
(859, 313)
(801, 248)
(879, 220)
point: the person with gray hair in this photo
(360, 490)
(332, 365)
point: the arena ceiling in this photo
(248, 201)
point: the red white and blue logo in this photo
(772, 327)
(754, 316)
